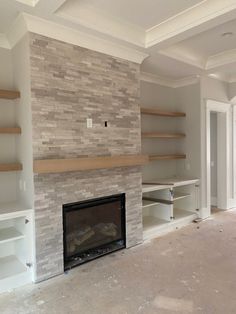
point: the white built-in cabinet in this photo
(169, 204)
(16, 243)
(16, 219)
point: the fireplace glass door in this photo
(93, 228)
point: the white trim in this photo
(221, 59)
(31, 3)
(26, 22)
(165, 81)
(224, 184)
(99, 20)
(174, 52)
(203, 15)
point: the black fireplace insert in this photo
(93, 228)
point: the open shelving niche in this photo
(16, 219)
(167, 203)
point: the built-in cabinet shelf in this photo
(168, 204)
(10, 234)
(161, 113)
(9, 94)
(16, 246)
(10, 130)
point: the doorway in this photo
(213, 158)
(217, 155)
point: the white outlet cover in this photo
(89, 123)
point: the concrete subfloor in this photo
(192, 270)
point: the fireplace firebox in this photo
(93, 228)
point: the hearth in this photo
(93, 228)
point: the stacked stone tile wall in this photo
(68, 85)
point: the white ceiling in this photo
(182, 37)
(211, 41)
(141, 13)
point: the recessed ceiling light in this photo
(227, 34)
(214, 75)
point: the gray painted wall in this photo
(161, 97)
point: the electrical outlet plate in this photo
(89, 123)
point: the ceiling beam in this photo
(199, 18)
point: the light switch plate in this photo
(89, 123)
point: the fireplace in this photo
(93, 228)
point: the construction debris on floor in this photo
(187, 271)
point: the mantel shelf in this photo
(157, 112)
(88, 163)
(10, 130)
(9, 94)
(162, 135)
(167, 157)
(5, 167)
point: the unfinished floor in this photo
(192, 270)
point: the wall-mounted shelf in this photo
(166, 157)
(14, 130)
(162, 135)
(10, 167)
(9, 94)
(157, 112)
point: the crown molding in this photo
(203, 15)
(221, 59)
(31, 3)
(175, 52)
(168, 82)
(4, 43)
(86, 15)
(28, 23)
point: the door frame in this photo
(223, 111)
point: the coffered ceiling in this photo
(137, 13)
(179, 38)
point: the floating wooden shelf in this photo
(10, 167)
(157, 112)
(15, 130)
(9, 94)
(166, 157)
(88, 163)
(162, 135)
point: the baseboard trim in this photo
(232, 203)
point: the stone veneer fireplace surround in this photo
(68, 85)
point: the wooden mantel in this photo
(88, 163)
